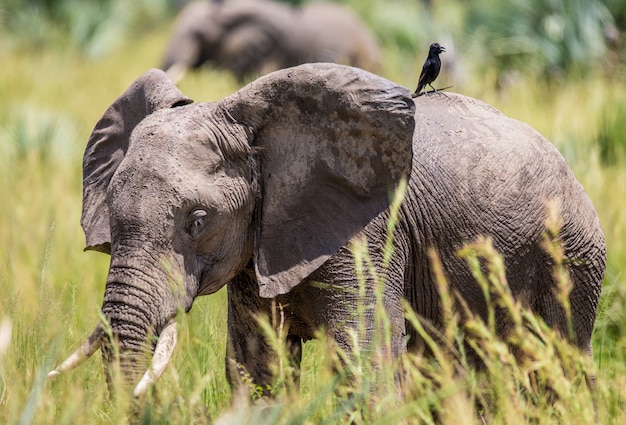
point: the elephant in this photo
(267, 192)
(256, 37)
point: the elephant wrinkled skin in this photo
(264, 190)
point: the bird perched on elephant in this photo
(266, 190)
(430, 69)
(248, 37)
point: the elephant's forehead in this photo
(169, 154)
(178, 137)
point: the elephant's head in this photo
(184, 196)
(242, 37)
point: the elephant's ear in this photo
(108, 144)
(334, 141)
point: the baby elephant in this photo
(266, 190)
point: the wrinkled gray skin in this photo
(263, 191)
(259, 36)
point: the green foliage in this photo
(400, 23)
(547, 38)
(612, 134)
(31, 131)
(94, 27)
(618, 10)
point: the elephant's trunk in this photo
(139, 307)
(162, 355)
(128, 348)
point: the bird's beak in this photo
(442, 49)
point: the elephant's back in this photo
(477, 172)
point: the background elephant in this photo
(335, 34)
(256, 37)
(264, 190)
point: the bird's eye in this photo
(195, 222)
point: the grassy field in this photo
(50, 291)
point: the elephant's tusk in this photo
(176, 72)
(162, 356)
(87, 348)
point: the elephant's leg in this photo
(577, 326)
(357, 311)
(586, 281)
(250, 359)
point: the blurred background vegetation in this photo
(548, 38)
(559, 65)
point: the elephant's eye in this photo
(195, 222)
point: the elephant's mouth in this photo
(160, 359)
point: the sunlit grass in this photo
(50, 291)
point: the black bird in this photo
(431, 68)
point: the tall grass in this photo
(50, 291)
(533, 376)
